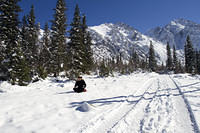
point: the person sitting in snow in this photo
(80, 85)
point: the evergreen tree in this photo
(197, 61)
(76, 63)
(175, 61)
(119, 63)
(169, 57)
(25, 36)
(103, 69)
(87, 51)
(1, 54)
(134, 62)
(32, 43)
(58, 38)
(21, 70)
(44, 60)
(131, 65)
(14, 63)
(189, 56)
(180, 67)
(3, 70)
(152, 60)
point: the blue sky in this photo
(141, 14)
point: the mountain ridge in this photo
(111, 40)
(176, 31)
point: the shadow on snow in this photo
(135, 99)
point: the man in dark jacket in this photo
(80, 85)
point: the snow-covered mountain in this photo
(112, 39)
(176, 32)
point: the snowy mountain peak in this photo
(176, 24)
(176, 32)
(102, 29)
(113, 39)
(184, 22)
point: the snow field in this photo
(137, 103)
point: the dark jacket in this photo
(80, 86)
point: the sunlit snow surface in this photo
(136, 103)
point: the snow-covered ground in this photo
(137, 103)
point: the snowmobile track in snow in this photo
(192, 118)
(159, 111)
(155, 98)
(110, 118)
(142, 97)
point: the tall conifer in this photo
(169, 57)
(87, 51)
(44, 59)
(189, 56)
(175, 61)
(14, 62)
(76, 45)
(152, 60)
(32, 42)
(58, 38)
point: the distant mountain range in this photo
(176, 32)
(111, 40)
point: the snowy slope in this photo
(176, 32)
(137, 103)
(112, 39)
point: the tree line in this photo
(191, 63)
(25, 57)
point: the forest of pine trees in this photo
(24, 58)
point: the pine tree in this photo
(76, 46)
(25, 36)
(3, 70)
(32, 43)
(169, 57)
(175, 61)
(119, 63)
(152, 60)
(134, 62)
(87, 51)
(14, 62)
(180, 67)
(21, 70)
(58, 47)
(103, 69)
(189, 56)
(44, 60)
(135, 59)
(1, 54)
(131, 65)
(197, 61)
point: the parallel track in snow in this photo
(192, 117)
(147, 121)
(133, 107)
(151, 121)
(153, 108)
(108, 119)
